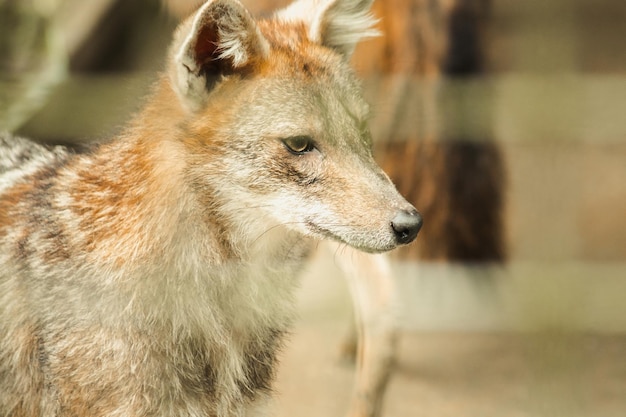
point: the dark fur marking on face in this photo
(301, 169)
(299, 177)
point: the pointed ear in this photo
(337, 24)
(220, 39)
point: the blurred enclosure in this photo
(506, 124)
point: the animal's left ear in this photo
(337, 24)
(219, 40)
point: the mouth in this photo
(324, 233)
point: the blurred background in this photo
(503, 122)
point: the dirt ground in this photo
(468, 375)
(462, 371)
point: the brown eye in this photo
(299, 145)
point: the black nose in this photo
(406, 224)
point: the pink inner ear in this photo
(206, 44)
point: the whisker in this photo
(272, 228)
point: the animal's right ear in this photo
(220, 39)
(337, 24)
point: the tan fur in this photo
(153, 274)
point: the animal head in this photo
(276, 122)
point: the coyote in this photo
(153, 274)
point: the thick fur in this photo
(153, 274)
